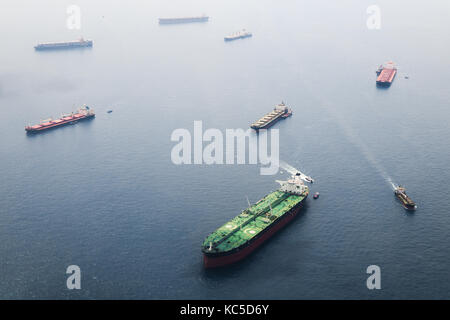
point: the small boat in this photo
(109, 111)
(406, 201)
(309, 179)
(316, 195)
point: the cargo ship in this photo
(252, 227)
(81, 43)
(183, 20)
(406, 201)
(238, 35)
(386, 74)
(81, 114)
(280, 111)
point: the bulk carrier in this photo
(202, 18)
(64, 45)
(280, 111)
(81, 114)
(238, 35)
(240, 236)
(386, 74)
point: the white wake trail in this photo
(351, 134)
(293, 171)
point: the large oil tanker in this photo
(240, 236)
(406, 201)
(280, 111)
(81, 114)
(202, 18)
(64, 45)
(386, 74)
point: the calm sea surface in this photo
(105, 195)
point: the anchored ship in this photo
(64, 45)
(280, 111)
(406, 201)
(386, 74)
(243, 234)
(238, 35)
(81, 114)
(202, 18)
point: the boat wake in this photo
(355, 139)
(293, 171)
(393, 185)
(367, 153)
(353, 136)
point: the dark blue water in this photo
(104, 194)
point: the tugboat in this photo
(407, 203)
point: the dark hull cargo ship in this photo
(280, 111)
(183, 20)
(81, 43)
(238, 35)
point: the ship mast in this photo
(271, 212)
(249, 205)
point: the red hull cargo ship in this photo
(386, 74)
(81, 114)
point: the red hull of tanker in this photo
(219, 261)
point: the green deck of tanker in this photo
(251, 221)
